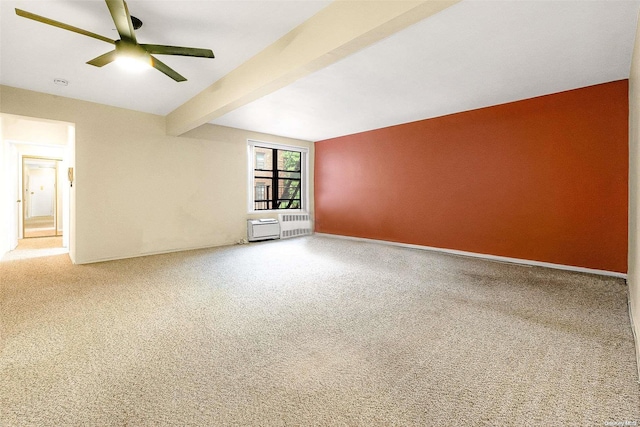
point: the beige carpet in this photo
(39, 226)
(36, 248)
(312, 331)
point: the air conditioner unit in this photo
(263, 229)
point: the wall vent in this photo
(292, 225)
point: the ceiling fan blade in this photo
(177, 50)
(161, 66)
(122, 19)
(62, 25)
(103, 60)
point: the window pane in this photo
(288, 189)
(263, 175)
(293, 175)
(288, 194)
(260, 160)
(289, 160)
(263, 158)
(289, 204)
(262, 193)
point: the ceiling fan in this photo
(127, 46)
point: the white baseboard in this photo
(486, 256)
(161, 252)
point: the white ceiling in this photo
(33, 54)
(475, 54)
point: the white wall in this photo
(139, 191)
(634, 188)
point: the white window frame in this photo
(304, 175)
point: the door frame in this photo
(55, 196)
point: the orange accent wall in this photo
(542, 179)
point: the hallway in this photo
(36, 248)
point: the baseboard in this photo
(486, 256)
(167, 251)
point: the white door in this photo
(42, 191)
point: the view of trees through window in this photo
(277, 179)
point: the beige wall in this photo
(634, 188)
(26, 130)
(139, 191)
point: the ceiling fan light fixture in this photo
(132, 57)
(132, 64)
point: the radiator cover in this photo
(292, 225)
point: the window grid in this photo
(277, 179)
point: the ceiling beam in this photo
(337, 31)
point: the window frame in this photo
(304, 175)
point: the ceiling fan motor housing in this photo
(136, 22)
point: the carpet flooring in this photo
(312, 331)
(36, 248)
(39, 226)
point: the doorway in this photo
(41, 144)
(40, 207)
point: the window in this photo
(277, 177)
